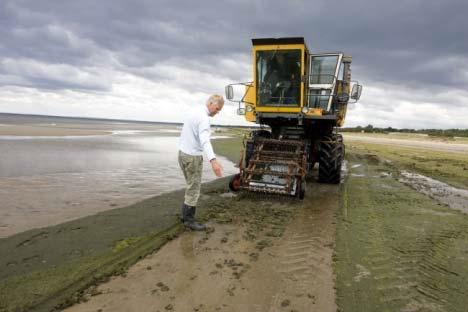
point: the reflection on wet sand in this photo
(48, 180)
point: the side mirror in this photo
(356, 92)
(240, 110)
(229, 92)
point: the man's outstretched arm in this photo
(204, 135)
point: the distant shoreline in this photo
(37, 131)
(95, 119)
(75, 118)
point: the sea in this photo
(55, 169)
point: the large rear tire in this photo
(339, 138)
(331, 155)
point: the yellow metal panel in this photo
(250, 116)
(315, 112)
(271, 109)
(250, 98)
(271, 47)
(341, 116)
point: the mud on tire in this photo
(331, 155)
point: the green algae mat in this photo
(396, 249)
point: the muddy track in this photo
(408, 251)
(271, 255)
(307, 249)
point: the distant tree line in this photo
(432, 132)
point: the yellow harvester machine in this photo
(303, 98)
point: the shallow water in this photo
(49, 180)
(448, 195)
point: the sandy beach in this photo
(370, 243)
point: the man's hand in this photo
(217, 169)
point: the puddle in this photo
(451, 196)
(214, 137)
(344, 170)
(383, 175)
(228, 195)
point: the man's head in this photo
(280, 58)
(215, 103)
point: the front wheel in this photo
(235, 183)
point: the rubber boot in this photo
(185, 213)
(190, 221)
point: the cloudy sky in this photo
(155, 59)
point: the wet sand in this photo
(42, 268)
(25, 130)
(224, 270)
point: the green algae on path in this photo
(397, 250)
(58, 287)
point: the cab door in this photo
(323, 74)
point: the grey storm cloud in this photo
(419, 44)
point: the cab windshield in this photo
(278, 78)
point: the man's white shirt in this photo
(196, 132)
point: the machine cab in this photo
(279, 66)
(290, 82)
(278, 77)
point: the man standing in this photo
(194, 141)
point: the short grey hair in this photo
(215, 99)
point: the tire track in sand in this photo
(306, 251)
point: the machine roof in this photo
(287, 40)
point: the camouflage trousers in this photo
(192, 169)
